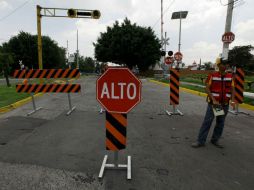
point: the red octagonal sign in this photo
(118, 90)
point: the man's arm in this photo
(214, 101)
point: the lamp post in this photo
(179, 15)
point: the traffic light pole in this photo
(60, 12)
(39, 36)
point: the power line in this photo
(19, 7)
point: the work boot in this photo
(217, 144)
(197, 145)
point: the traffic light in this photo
(94, 14)
(72, 13)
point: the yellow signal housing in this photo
(72, 13)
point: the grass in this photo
(8, 95)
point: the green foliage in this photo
(241, 56)
(129, 45)
(6, 61)
(87, 64)
(24, 47)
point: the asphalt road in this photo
(49, 150)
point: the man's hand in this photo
(232, 103)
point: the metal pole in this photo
(39, 36)
(180, 30)
(230, 8)
(165, 45)
(77, 52)
(116, 158)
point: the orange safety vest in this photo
(221, 86)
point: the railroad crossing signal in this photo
(164, 41)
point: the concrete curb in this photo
(246, 106)
(17, 104)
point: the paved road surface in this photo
(49, 150)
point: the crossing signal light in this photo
(72, 13)
(163, 53)
(170, 53)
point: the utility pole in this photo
(77, 52)
(230, 8)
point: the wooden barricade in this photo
(48, 88)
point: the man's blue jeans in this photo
(218, 129)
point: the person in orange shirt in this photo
(220, 90)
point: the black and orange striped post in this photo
(116, 124)
(48, 88)
(239, 89)
(174, 91)
(116, 127)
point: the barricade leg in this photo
(174, 112)
(71, 109)
(34, 106)
(236, 111)
(102, 110)
(115, 165)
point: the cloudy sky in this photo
(201, 30)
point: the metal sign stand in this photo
(175, 111)
(102, 110)
(236, 111)
(34, 106)
(71, 109)
(115, 165)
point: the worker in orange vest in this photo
(220, 90)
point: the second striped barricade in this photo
(174, 91)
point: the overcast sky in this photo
(201, 30)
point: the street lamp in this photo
(179, 15)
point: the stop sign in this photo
(228, 37)
(118, 90)
(169, 60)
(178, 56)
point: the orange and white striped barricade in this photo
(48, 88)
(118, 90)
(174, 92)
(239, 89)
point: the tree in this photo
(86, 64)
(241, 56)
(129, 45)
(24, 47)
(207, 65)
(6, 60)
